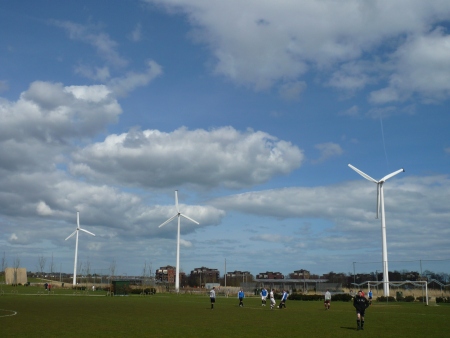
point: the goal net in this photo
(401, 290)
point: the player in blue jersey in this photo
(283, 299)
(241, 297)
(263, 294)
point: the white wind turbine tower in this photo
(178, 214)
(380, 206)
(76, 246)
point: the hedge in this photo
(442, 299)
(386, 299)
(146, 291)
(344, 297)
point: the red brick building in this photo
(270, 275)
(300, 274)
(166, 274)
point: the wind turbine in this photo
(380, 207)
(179, 215)
(76, 246)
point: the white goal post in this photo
(422, 284)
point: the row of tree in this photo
(403, 275)
(346, 279)
(198, 280)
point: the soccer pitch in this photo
(169, 315)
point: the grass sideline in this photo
(169, 315)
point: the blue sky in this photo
(251, 109)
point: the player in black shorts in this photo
(361, 304)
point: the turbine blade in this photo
(176, 201)
(367, 177)
(385, 178)
(169, 220)
(78, 219)
(189, 218)
(73, 233)
(88, 232)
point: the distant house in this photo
(206, 273)
(270, 275)
(166, 274)
(300, 274)
(238, 274)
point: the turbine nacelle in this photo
(79, 228)
(178, 214)
(378, 183)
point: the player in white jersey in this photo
(272, 299)
(327, 300)
(212, 297)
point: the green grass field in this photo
(27, 314)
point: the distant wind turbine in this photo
(380, 209)
(76, 246)
(179, 215)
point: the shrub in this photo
(442, 300)
(386, 299)
(343, 297)
(300, 296)
(399, 298)
(409, 299)
(147, 291)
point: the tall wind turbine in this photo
(380, 208)
(179, 215)
(76, 246)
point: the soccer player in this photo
(370, 297)
(272, 299)
(327, 300)
(241, 297)
(263, 294)
(212, 297)
(361, 304)
(283, 299)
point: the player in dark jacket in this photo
(361, 304)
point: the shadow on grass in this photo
(348, 328)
